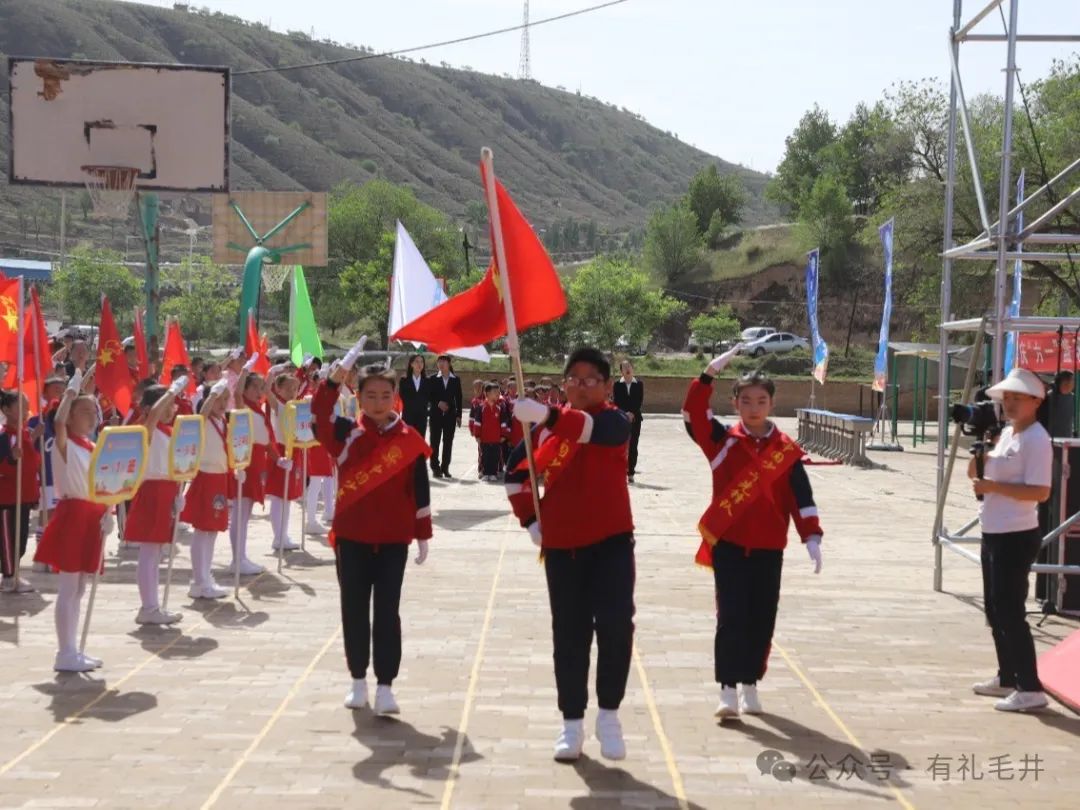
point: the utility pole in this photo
(525, 66)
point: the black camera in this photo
(978, 419)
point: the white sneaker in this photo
(609, 733)
(247, 568)
(15, 585)
(71, 662)
(570, 741)
(157, 616)
(287, 544)
(992, 688)
(314, 528)
(357, 697)
(1019, 701)
(729, 703)
(750, 703)
(384, 701)
(94, 662)
(209, 591)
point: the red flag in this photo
(477, 315)
(111, 373)
(37, 359)
(175, 354)
(254, 344)
(9, 328)
(142, 359)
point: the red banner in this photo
(1038, 352)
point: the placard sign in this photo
(118, 464)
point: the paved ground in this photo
(240, 706)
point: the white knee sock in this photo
(277, 506)
(68, 596)
(329, 496)
(146, 574)
(202, 557)
(234, 529)
(311, 497)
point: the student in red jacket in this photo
(586, 532)
(489, 422)
(383, 504)
(15, 442)
(759, 486)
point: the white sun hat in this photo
(1020, 381)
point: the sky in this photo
(729, 76)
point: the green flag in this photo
(303, 335)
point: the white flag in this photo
(414, 291)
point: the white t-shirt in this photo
(1021, 458)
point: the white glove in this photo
(421, 546)
(280, 368)
(178, 504)
(285, 463)
(237, 353)
(534, 533)
(75, 383)
(179, 385)
(251, 361)
(241, 476)
(351, 356)
(219, 388)
(813, 548)
(720, 363)
(324, 373)
(307, 360)
(107, 523)
(530, 411)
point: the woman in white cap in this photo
(1015, 481)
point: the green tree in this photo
(716, 325)
(610, 297)
(202, 296)
(78, 285)
(716, 198)
(804, 159)
(332, 309)
(366, 286)
(672, 242)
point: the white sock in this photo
(329, 496)
(311, 498)
(202, 559)
(280, 524)
(234, 529)
(68, 595)
(146, 574)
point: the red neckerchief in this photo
(82, 442)
(166, 429)
(762, 462)
(264, 412)
(404, 446)
(220, 430)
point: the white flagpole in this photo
(239, 535)
(43, 509)
(303, 504)
(487, 159)
(18, 438)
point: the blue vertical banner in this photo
(1014, 305)
(881, 362)
(817, 345)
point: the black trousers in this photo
(364, 568)
(635, 435)
(13, 548)
(747, 596)
(442, 432)
(417, 421)
(490, 458)
(591, 589)
(1006, 562)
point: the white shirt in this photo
(214, 457)
(416, 381)
(1017, 458)
(72, 477)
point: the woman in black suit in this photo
(445, 415)
(415, 392)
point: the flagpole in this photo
(487, 160)
(43, 509)
(19, 371)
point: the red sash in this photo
(403, 448)
(760, 470)
(263, 411)
(552, 458)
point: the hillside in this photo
(564, 155)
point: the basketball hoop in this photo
(274, 275)
(111, 189)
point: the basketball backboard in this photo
(245, 219)
(169, 121)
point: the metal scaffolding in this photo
(1000, 242)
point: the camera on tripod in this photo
(980, 420)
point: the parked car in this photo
(628, 345)
(755, 332)
(776, 343)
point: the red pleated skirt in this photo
(206, 502)
(72, 540)
(319, 462)
(254, 476)
(275, 476)
(150, 518)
